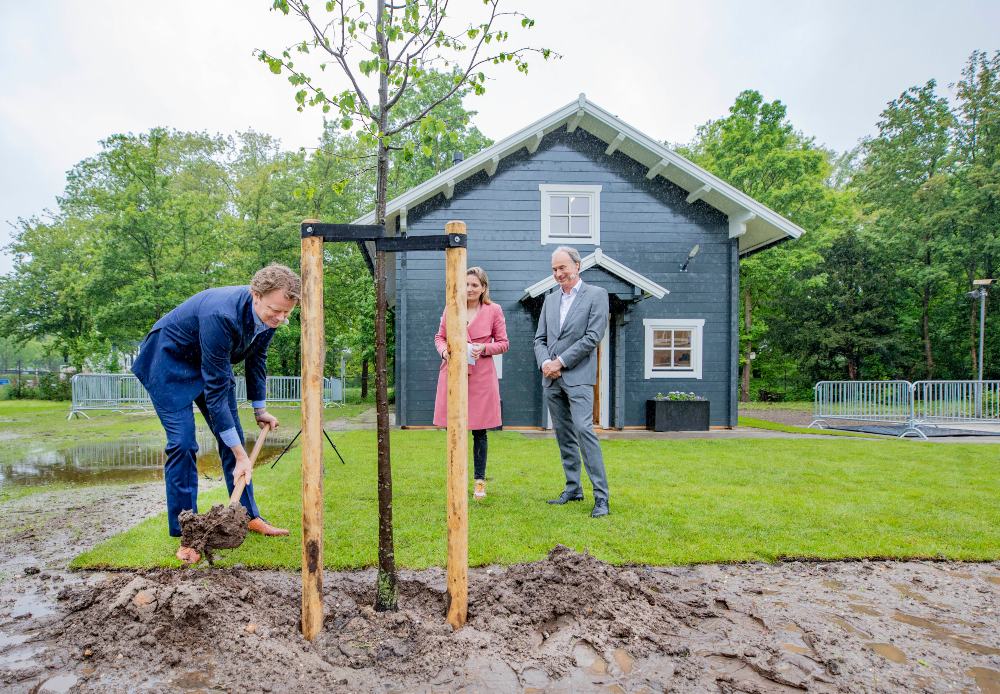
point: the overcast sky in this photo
(74, 72)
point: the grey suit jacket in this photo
(576, 342)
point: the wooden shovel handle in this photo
(241, 483)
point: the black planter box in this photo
(677, 415)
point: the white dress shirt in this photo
(565, 303)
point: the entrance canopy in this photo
(621, 281)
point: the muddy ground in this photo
(568, 623)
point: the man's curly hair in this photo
(276, 276)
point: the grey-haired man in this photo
(572, 323)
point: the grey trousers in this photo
(572, 409)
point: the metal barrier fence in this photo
(912, 405)
(124, 393)
(975, 402)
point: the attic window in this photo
(571, 214)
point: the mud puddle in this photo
(126, 461)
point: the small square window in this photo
(570, 213)
(673, 347)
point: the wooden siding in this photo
(647, 225)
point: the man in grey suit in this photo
(572, 323)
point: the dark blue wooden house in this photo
(635, 210)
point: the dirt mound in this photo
(566, 623)
(569, 620)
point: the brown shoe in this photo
(259, 525)
(480, 491)
(186, 555)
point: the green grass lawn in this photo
(789, 429)
(797, 405)
(673, 502)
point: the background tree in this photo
(155, 209)
(974, 225)
(47, 296)
(903, 188)
(400, 47)
(756, 149)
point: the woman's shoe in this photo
(480, 492)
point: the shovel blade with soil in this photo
(223, 527)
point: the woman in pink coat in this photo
(487, 333)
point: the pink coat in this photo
(489, 329)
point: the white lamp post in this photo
(980, 292)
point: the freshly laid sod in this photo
(673, 501)
(789, 429)
(796, 405)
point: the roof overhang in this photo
(599, 259)
(755, 225)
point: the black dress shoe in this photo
(564, 498)
(600, 508)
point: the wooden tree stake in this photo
(458, 445)
(313, 353)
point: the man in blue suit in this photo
(187, 358)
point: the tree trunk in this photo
(386, 593)
(747, 361)
(852, 370)
(364, 380)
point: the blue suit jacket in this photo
(192, 349)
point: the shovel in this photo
(223, 527)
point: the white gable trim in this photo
(757, 226)
(599, 259)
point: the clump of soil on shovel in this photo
(224, 527)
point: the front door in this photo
(602, 399)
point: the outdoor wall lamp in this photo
(691, 254)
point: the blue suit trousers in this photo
(180, 471)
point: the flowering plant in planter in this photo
(679, 395)
(677, 411)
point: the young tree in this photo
(397, 45)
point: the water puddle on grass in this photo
(131, 460)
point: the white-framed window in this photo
(673, 347)
(571, 213)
